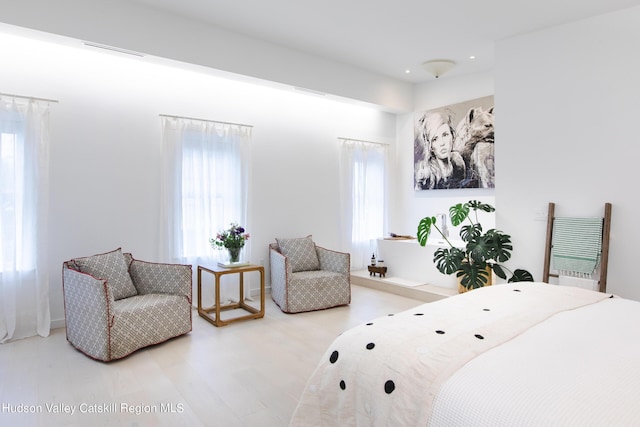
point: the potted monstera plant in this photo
(484, 251)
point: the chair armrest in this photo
(339, 262)
(85, 297)
(161, 278)
(279, 265)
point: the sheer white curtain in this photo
(363, 168)
(24, 170)
(205, 178)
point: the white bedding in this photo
(579, 368)
(484, 369)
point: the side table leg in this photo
(247, 295)
(261, 310)
(199, 289)
(217, 322)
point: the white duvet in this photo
(579, 368)
(505, 355)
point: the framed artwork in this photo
(453, 146)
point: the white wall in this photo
(106, 148)
(413, 205)
(567, 106)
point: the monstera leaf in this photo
(458, 213)
(498, 246)
(424, 228)
(521, 276)
(473, 275)
(479, 248)
(448, 260)
(497, 268)
(470, 232)
(479, 206)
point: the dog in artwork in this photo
(475, 142)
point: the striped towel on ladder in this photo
(577, 244)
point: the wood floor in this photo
(245, 374)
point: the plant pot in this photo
(462, 289)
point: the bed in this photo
(524, 354)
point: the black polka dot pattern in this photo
(389, 387)
(377, 360)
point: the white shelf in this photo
(409, 260)
(400, 286)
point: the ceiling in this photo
(390, 37)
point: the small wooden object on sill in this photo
(394, 236)
(382, 271)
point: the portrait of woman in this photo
(437, 166)
(454, 146)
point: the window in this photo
(11, 193)
(210, 171)
(24, 286)
(205, 183)
(368, 192)
(363, 194)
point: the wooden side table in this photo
(382, 271)
(218, 272)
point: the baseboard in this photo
(58, 323)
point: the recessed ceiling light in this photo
(407, 71)
(472, 57)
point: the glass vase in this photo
(234, 254)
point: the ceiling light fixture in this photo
(438, 67)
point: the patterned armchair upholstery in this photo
(306, 277)
(115, 305)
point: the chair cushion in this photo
(317, 290)
(144, 320)
(110, 266)
(301, 253)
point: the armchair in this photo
(306, 277)
(115, 305)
